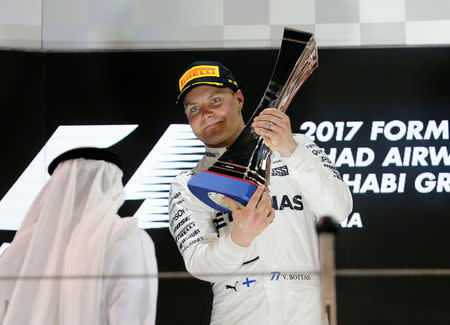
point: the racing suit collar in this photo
(211, 155)
(214, 153)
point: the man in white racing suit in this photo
(262, 259)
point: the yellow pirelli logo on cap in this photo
(198, 72)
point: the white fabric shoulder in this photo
(65, 232)
(131, 300)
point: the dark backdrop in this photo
(40, 91)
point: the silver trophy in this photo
(246, 163)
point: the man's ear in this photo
(240, 98)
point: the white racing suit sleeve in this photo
(319, 180)
(206, 255)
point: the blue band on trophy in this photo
(206, 184)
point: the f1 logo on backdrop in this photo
(177, 150)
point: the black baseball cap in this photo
(211, 73)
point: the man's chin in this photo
(213, 135)
(214, 144)
(214, 141)
(214, 128)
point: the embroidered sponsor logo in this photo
(317, 151)
(298, 277)
(231, 287)
(189, 244)
(334, 171)
(198, 72)
(324, 159)
(280, 171)
(294, 203)
(174, 204)
(181, 223)
(211, 154)
(194, 234)
(275, 276)
(178, 214)
(173, 197)
(185, 230)
(219, 219)
(248, 282)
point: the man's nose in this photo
(206, 110)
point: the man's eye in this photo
(194, 109)
(215, 100)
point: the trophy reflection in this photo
(245, 165)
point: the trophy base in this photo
(212, 187)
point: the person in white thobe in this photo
(85, 261)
